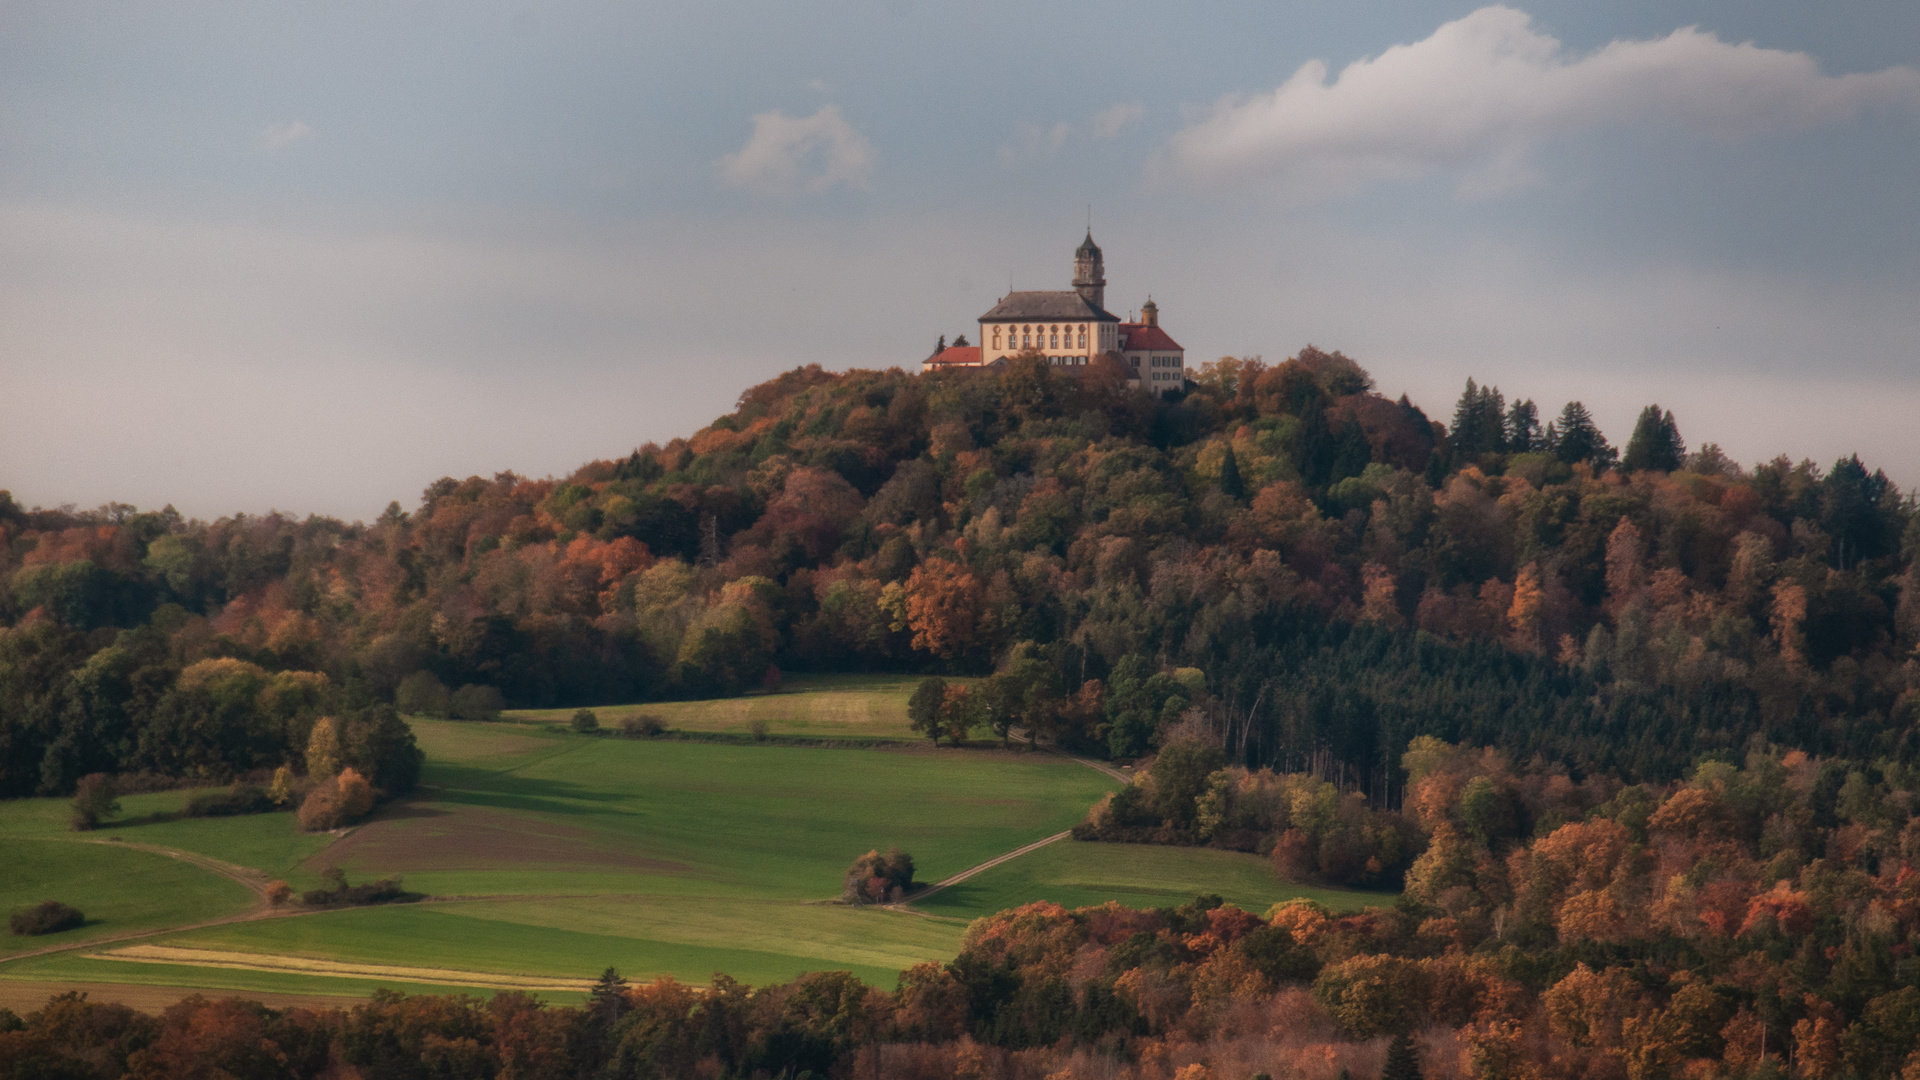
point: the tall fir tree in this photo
(1403, 1063)
(1523, 428)
(1574, 437)
(1655, 444)
(1231, 485)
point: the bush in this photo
(95, 797)
(758, 728)
(879, 879)
(586, 721)
(46, 917)
(237, 800)
(333, 803)
(345, 895)
(421, 694)
(278, 893)
(635, 727)
(475, 702)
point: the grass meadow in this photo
(1077, 874)
(544, 853)
(811, 706)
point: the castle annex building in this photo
(1070, 328)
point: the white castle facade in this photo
(1070, 328)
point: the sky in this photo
(311, 257)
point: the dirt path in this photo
(254, 880)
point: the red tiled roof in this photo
(1140, 337)
(961, 355)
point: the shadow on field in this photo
(479, 787)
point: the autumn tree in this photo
(943, 607)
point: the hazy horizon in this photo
(279, 257)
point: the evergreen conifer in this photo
(1402, 1062)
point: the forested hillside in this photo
(1339, 572)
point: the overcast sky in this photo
(313, 256)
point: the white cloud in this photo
(1033, 142)
(279, 136)
(1484, 88)
(1108, 122)
(788, 154)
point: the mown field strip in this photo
(242, 961)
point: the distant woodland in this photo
(1316, 571)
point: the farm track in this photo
(256, 882)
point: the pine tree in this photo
(1479, 423)
(1230, 483)
(609, 997)
(1574, 437)
(1656, 443)
(1402, 1062)
(1523, 428)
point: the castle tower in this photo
(1089, 276)
(1150, 313)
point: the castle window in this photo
(1054, 338)
(996, 337)
(1083, 335)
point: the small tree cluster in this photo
(337, 801)
(585, 721)
(877, 878)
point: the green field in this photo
(814, 706)
(1081, 874)
(120, 890)
(546, 854)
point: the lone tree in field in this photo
(586, 721)
(879, 879)
(923, 708)
(94, 798)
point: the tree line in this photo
(1323, 571)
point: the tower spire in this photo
(1089, 271)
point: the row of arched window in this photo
(1043, 336)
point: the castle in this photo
(1070, 328)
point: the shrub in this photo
(278, 893)
(46, 917)
(759, 729)
(586, 721)
(875, 878)
(237, 800)
(342, 894)
(476, 702)
(634, 727)
(95, 797)
(340, 801)
(421, 694)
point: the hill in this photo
(1341, 573)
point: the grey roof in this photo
(1066, 305)
(1088, 247)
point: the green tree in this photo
(1231, 485)
(1655, 443)
(608, 999)
(1574, 437)
(923, 708)
(94, 799)
(585, 721)
(1524, 434)
(1180, 775)
(1403, 1063)
(1479, 423)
